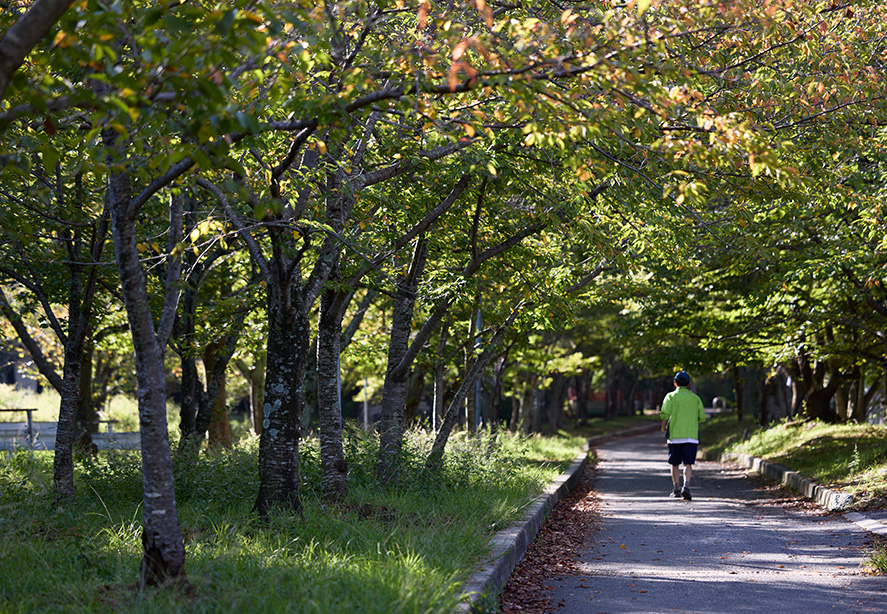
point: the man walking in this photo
(681, 414)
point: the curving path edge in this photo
(508, 547)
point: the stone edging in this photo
(873, 526)
(829, 498)
(509, 546)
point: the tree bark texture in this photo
(163, 548)
(333, 467)
(219, 429)
(288, 341)
(396, 374)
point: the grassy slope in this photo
(851, 457)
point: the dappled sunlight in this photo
(730, 549)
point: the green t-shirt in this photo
(684, 410)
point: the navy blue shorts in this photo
(681, 453)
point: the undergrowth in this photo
(404, 548)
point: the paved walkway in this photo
(725, 551)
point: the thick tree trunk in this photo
(288, 341)
(556, 403)
(163, 549)
(333, 467)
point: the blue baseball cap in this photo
(681, 378)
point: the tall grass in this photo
(404, 548)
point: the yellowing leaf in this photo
(459, 49)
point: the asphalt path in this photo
(728, 550)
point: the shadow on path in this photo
(725, 551)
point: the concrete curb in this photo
(872, 526)
(509, 546)
(829, 498)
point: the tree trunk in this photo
(219, 431)
(514, 422)
(87, 414)
(435, 457)
(739, 390)
(63, 458)
(255, 377)
(257, 393)
(842, 403)
(528, 405)
(75, 392)
(415, 392)
(288, 341)
(191, 391)
(556, 403)
(163, 549)
(333, 467)
(582, 386)
(861, 400)
(396, 374)
(437, 409)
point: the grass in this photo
(877, 558)
(401, 549)
(850, 457)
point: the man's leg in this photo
(688, 473)
(676, 476)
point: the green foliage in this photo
(878, 556)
